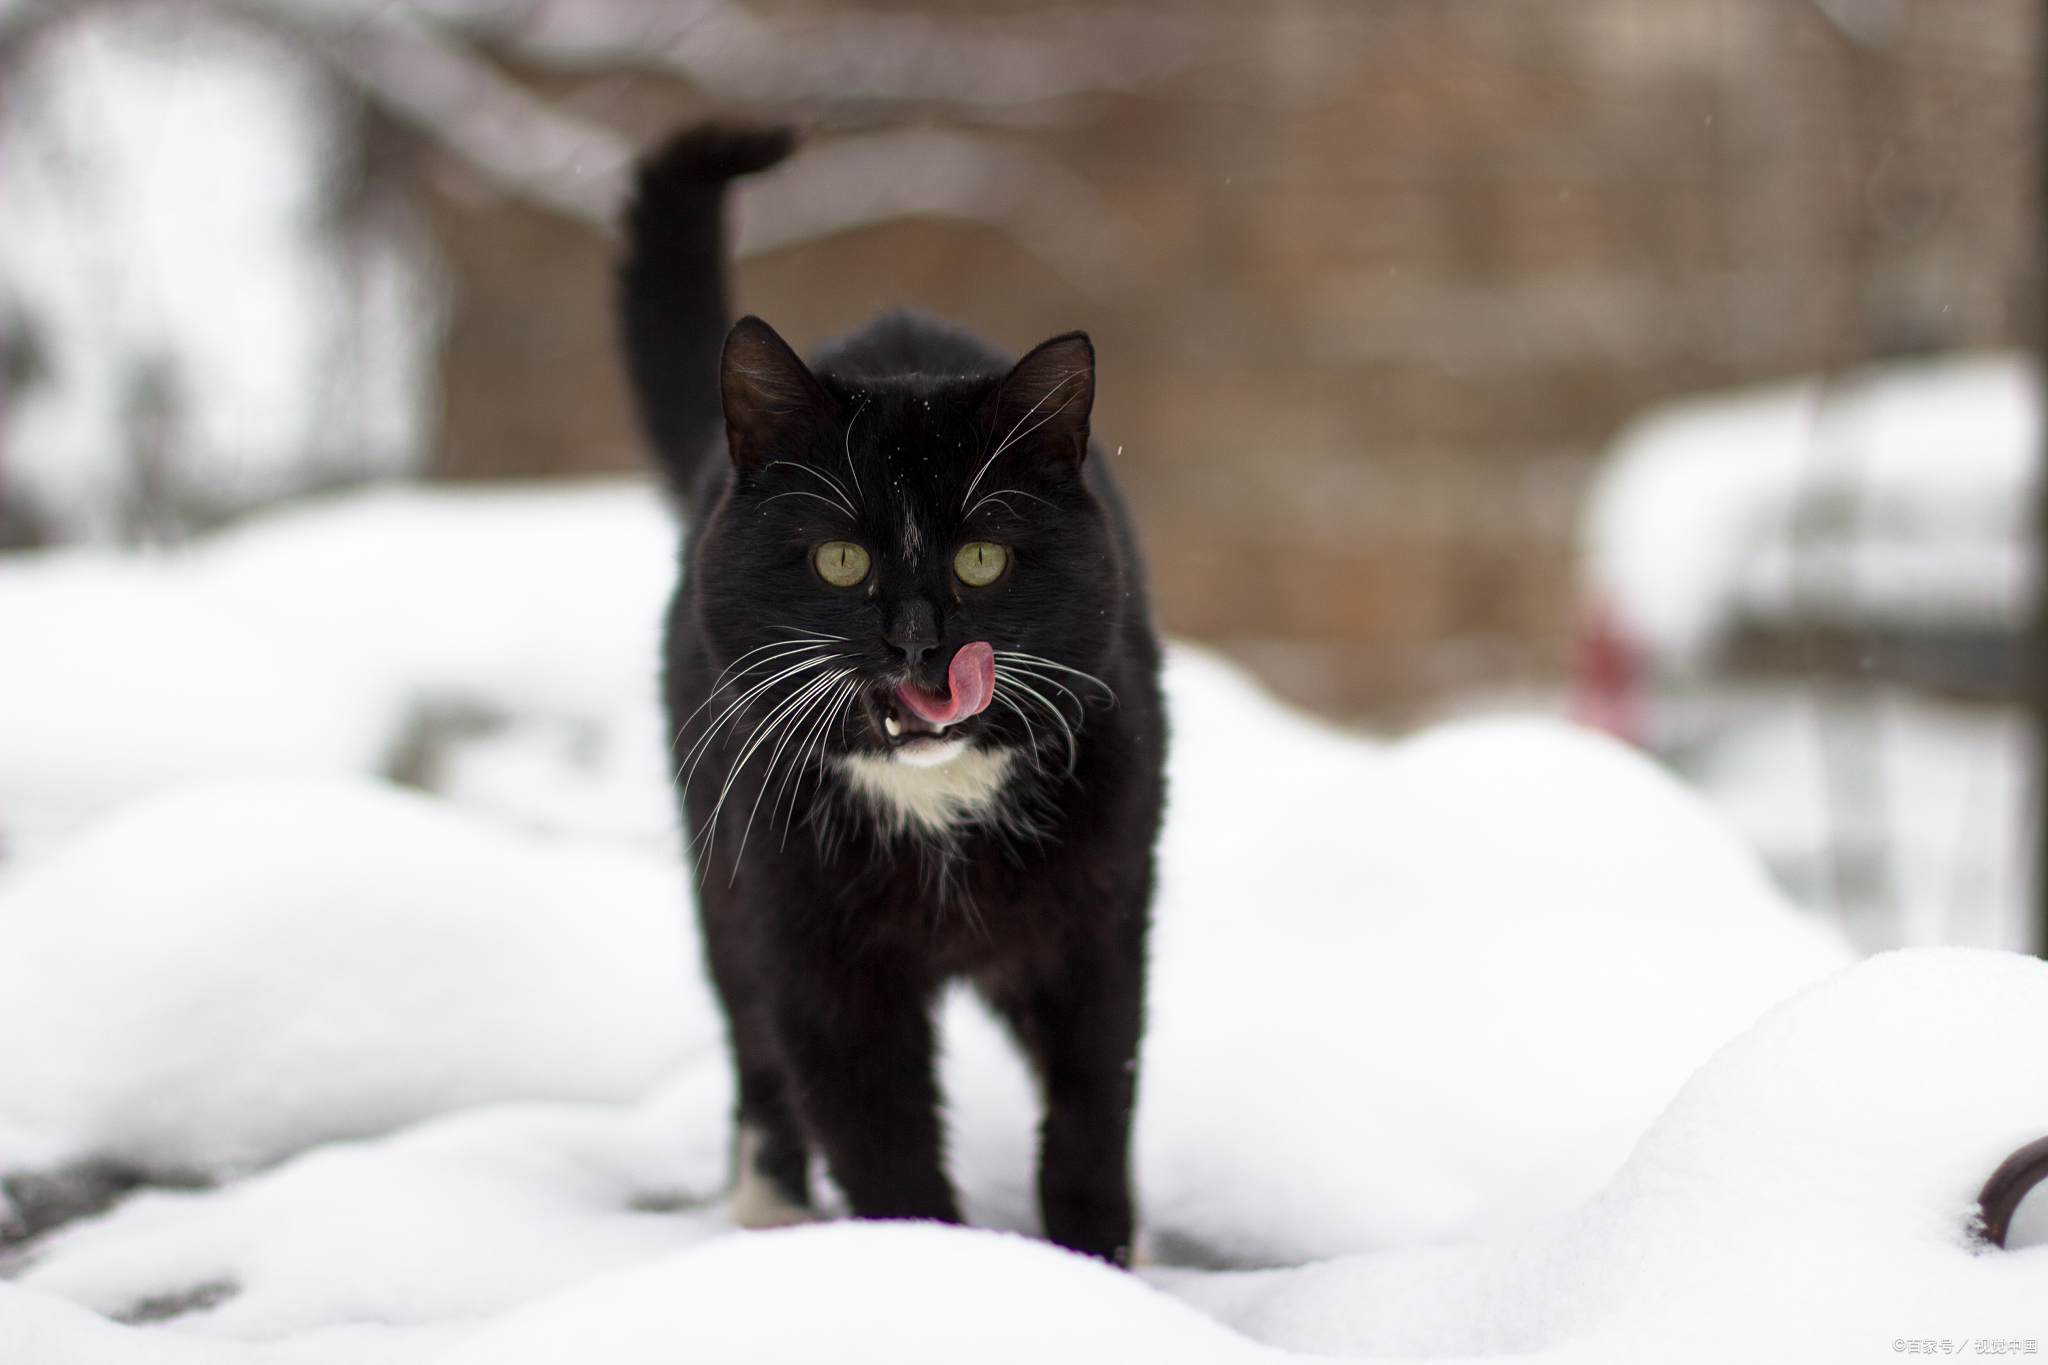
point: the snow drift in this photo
(449, 1063)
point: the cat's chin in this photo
(928, 751)
(942, 787)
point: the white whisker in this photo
(1018, 432)
(1073, 747)
(813, 747)
(784, 648)
(1042, 662)
(775, 720)
(998, 497)
(832, 503)
(735, 708)
(1030, 730)
(1024, 671)
(811, 694)
(852, 472)
(845, 498)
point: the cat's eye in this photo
(841, 563)
(980, 563)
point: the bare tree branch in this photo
(915, 57)
(732, 50)
(414, 61)
(562, 162)
(579, 168)
(924, 173)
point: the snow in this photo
(434, 1227)
(1806, 1197)
(1486, 877)
(884, 1294)
(222, 975)
(447, 1064)
(336, 636)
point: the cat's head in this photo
(911, 567)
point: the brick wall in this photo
(1411, 262)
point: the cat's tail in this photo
(673, 312)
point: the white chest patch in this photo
(932, 790)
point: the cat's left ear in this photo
(770, 395)
(1046, 399)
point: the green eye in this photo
(841, 563)
(980, 563)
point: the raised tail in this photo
(673, 312)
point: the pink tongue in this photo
(971, 677)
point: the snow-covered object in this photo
(217, 325)
(1892, 505)
(1899, 496)
(1807, 1196)
(221, 976)
(326, 636)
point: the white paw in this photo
(757, 1201)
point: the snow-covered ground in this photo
(1491, 1041)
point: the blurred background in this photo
(1661, 362)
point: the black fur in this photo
(832, 923)
(672, 299)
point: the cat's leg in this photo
(771, 1161)
(1079, 1019)
(859, 1041)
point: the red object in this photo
(1608, 675)
(971, 682)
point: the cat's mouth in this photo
(901, 725)
(915, 723)
(909, 737)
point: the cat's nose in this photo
(913, 630)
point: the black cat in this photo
(914, 694)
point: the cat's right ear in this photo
(770, 395)
(1047, 397)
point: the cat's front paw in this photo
(758, 1199)
(757, 1203)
